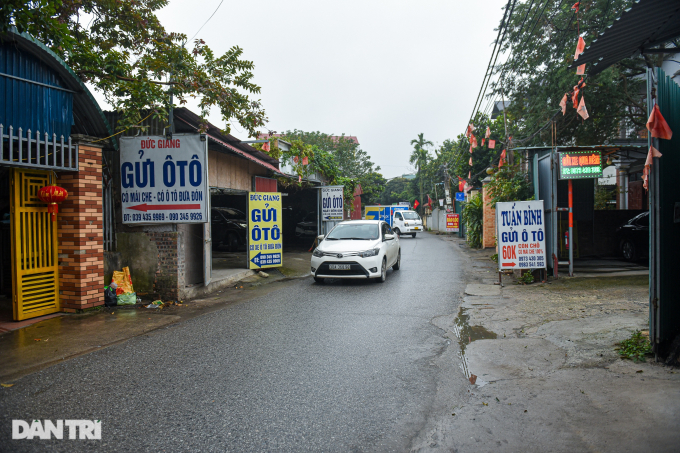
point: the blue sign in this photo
(266, 259)
(460, 196)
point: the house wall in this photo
(230, 172)
(81, 239)
(489, 216)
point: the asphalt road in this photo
(339, 366)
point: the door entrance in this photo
(35, 272)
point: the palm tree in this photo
(419, 157)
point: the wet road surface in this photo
(344, 365)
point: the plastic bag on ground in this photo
(110, 299)
(123, 280)
(127, 299)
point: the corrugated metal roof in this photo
(646, 24)
(88, 118)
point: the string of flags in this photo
(580, 106)
(659, 128)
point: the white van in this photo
(407, 222)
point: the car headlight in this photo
(318, 253)
(405, 223)
(369, 253)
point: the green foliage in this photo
(472, 216)
(372, 185)
(420, 157)
(508, 183)
(636, 347)
(526, 278)
(483, 157)
(603, 196)
(537, 75)
(398, 189)
(123, 50)
(494, 257)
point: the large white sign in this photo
(164, 181)
(332, 207)
(520, 226)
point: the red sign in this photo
(452, 223)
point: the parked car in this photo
(633, 237)
(357, 249)
(308, 226)
(228, 228)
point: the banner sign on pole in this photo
(164, 181)
(580, 164)
(332, 203)
(264, 230)
(452, 223)
(520, 228)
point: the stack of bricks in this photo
(489, 218)
(81, 238)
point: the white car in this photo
(357, 249)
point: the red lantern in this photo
(52, 195)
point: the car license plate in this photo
(339, 267)
(416, 228)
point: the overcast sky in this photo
(383, 71)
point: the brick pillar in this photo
(489, 217)
(81, 239)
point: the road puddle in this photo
(466, 334)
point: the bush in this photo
(636, 347)
(472, 215)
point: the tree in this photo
(123, 50)
(536, 75)
(396, 190)
(419, 157)
(372, 185)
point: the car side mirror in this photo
(320, 237)
(388, 237)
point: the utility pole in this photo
(511, 160)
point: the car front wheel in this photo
(383, 272)
(397, 265)
(628, 250)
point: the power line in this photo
(211, 16)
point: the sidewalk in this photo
(30, 348)
(543, 369)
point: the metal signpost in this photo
(521, 235)
(332, 203)
(264, 230)
(164, 181)
(577, 165)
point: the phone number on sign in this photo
(161, 217)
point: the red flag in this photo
(574, 97)
(473, 141)
(470, 128)
(492, 144)
(563, 104)
(580, 47)
(576, 6)
(488, 132)
(483, 141)
(653, 152)
(657, 125)
(502, 160)
(582, 110)
(296, 159)
(305, 160)
(461, 184)
(265, 147)
(416, 204)
(429, 202)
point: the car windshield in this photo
(354, 231)
(410, 215)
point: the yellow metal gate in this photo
(35, 272)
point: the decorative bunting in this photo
(581, 69)
(470, 149)
(582, 108)
(296, 159)
(574, 97)
(470, 128)
(488, 132)
(265, 147)
(471, 161)
(657, 125)
(299, 178)
(492, 144)
(653, 152)
(483, 140)
(563, 104)
(473, 141)
(580, 47)
(305, 161)
(502, 160)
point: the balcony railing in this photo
(35, 150)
